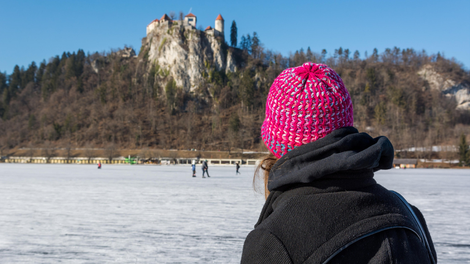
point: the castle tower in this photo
(190, 19)
(165, 20)
(219, 26)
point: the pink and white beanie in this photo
(304, 104)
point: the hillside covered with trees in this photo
(107, 99)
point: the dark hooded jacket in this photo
(326, 207)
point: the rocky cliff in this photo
(449, 87)
(186, 54)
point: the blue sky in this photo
(35, 30)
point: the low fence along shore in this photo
(129, 160)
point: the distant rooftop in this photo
(165, 17)
(155, 20)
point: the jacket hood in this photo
(343, 150)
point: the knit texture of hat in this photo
(304, 104)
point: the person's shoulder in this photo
(262, 246)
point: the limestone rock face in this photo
(459, 91)
(462, 95)
(186, 54)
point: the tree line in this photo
(103, 99)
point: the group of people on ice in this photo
(205, 168)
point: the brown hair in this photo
(265, 164)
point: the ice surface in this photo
(443, 196)
(124, 214)
(160, 214)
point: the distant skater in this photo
(205, 169)
(238, 167)
(193, 166)
(99, 165)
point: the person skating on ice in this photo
(193, 167)
(238, 167)
(205, 169)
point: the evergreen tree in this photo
(243, 43)
(346, 54)
(233, 34)
(309, 55)
(323, 55)
(247, 89)
(464, 153)
(6, 97)
(53, 72)
(255, 45)
(40, 72)
(3, 92)
(70, 67)
(234, 122)
(64, 57)
(3, 82)
(29, 75)
(302, 57)
(356, 55)
(248, 43)
(15, 81)
(79, 62)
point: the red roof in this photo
(208, 28)
(219, 18)
(165, 17)
(190, 15)
(155, 20)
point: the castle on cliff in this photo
(189, 22)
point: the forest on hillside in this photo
(105, 99)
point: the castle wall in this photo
(165, 23)
(151, 27)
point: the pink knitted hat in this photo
(304, 104)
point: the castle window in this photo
(190, 19)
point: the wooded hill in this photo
(107, 99)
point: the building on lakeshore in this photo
(405, 163)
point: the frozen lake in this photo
(160, 214)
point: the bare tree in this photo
(173, 155)
(2, 146)
(190, 123)
(181, 16)
(68, 151)
(111, 151)
(30, 151)
(156, 153)
(89, 152)
(48, 151)
(145, 153)
(172, 15)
